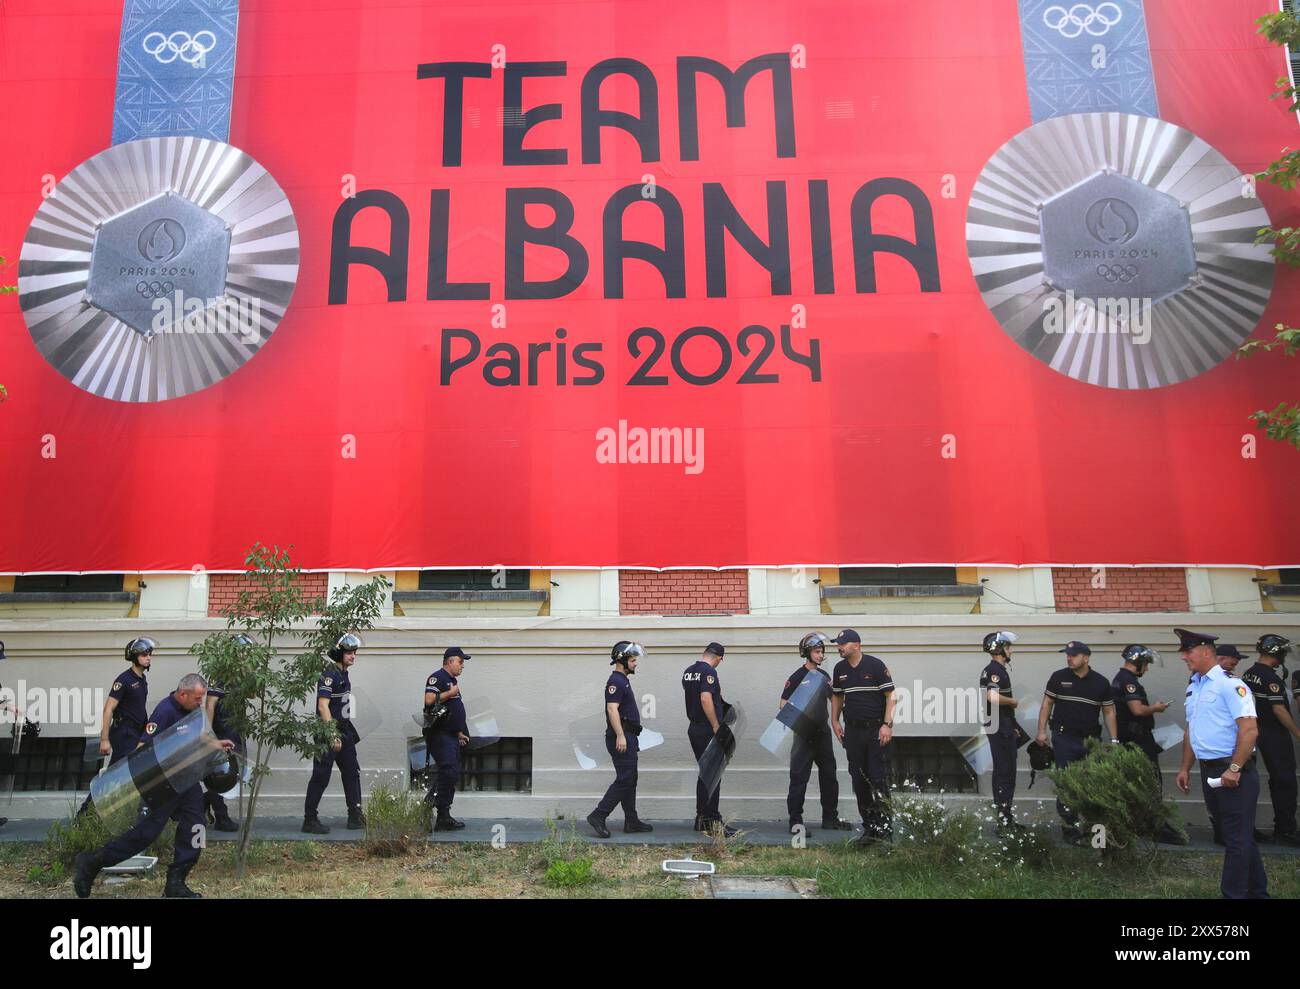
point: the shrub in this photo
(574, 872)
(1114, 786)
(394, 818)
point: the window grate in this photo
(81, 583)
(896, 576)
(504, 766)
(1289, 575)
(46, 764)
(473, 580)
(929, 765)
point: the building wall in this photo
(683, 592)
(1079, 589)
(224, 589)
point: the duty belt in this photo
(864, 722)
(119, 720)
(1063, 730)
(1217, 766)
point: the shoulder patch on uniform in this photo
(993, 677)
(1241, 691)
(117, 684)
(150, 728)
(887, 673)
(1274, 687)
(1131, 688)
(612, 688)
(708, 679)
(329, 682)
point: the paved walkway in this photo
(525, 830)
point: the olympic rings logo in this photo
(1083, 17)
(154, 290)
(166, 48)
(1122, 273)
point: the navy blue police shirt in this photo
(1270, 696)
(1127, 686)
(132, 695)
(618, 690)
(997, 676)
(701, 678)
(454, 722)
(1078, 702)
(220, 726)
(166, 714)
(335, 686)
(863, 688)
(819, 715)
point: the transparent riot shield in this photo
(177, 759)
(1169, 737)
(715, 757)
(804, 716)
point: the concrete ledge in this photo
(1285, 597)
(903, 590)
(520, 603)
(934, 599)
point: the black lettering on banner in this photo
(519, 122)
(642, 375)
(721, 218)
(453, 100)
(669, 261)
(439, 224)
(724, 360)
(520, 232)
(752, 375)
(644, 129)
(922, 255)
(733, 84)
(344, 254)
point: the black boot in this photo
(446, 822)
(1261, 838)
(224, 823)
(87, 867)
(835, 824)
(176, 888)
(598, 825)
(634, 825)
(312, 825)
(1288, 838)
(700, 824)
(720, 830)
(356, 820)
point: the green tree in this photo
(270, 685)
(1282, 422)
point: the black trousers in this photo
(623, 789)
(706, 804)
(1243, 875)
(820, 750)
(186, 807)
(349, 769)
(1279, 758)
(869, 770)
(1066, 749)
(1003, 747)
(444, 748)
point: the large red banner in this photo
(544, 290)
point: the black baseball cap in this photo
(848, 635)
(1073, 648)
(452, 652)
(716, 649)
(1230, 651)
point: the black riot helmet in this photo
(812, 641)
(995, 643)
(242, 641)
(348, 642)
(624, 651)
(1139, 656)
(1274, 645)
(141, 646)
(224, 773)
(1041, 757)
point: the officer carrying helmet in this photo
(1004, 732)
(818, 747)
(1135, 718)
(1277, 727)
(334, 705)
(622, 728)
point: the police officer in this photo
(705, 709)
(5, 755)
(1072, 701)
(622, 726)
(334, 705)
(1004, 738)
(186, 807)
(218, 815)
(127, 708)
(863, 691)
(1221, 734)
(1228, 658)
(819, 749)
(1135, 717)
(1276, 729)
(448, 737)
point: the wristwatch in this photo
(888, 724)
(1233, 767)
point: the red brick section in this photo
(224, 588)
(1142, 589)
(683, 592)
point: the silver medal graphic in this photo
(1119, 249)
(158, 267)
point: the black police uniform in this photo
(443, 742)
(131, 691)
(1076, 716)
(701, 678)
(186, 807)
(1274, 744)
(863, 689)
(618, 690)
(335, 686)
(212, 800)
(1003, 739)
(819, 749)
(1125, 687)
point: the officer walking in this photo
(863, 691)
(1135, 717)
(1221, 734)
(186, 807)
(622, 726)
(1228, 657)
(334, 705)
(6, 770)
(819, 748)
(218, 815)
(448, 736)
(1005, 735)
(1072, 701)
(127, 708)
(1276, 729)
(705, 709)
